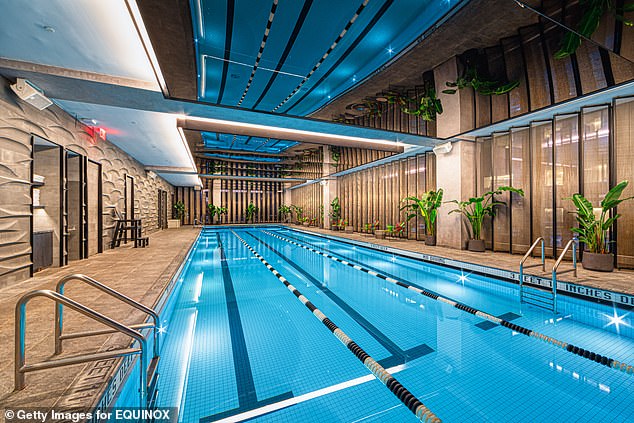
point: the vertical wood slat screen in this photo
(376, 193)
(310, 199)
(235, 195)
(551, 161)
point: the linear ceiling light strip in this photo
(262, 45)
(587, 354)
(419, 409)
(332, 47)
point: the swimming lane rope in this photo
(598, 358)
(423, 413)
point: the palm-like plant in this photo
(216, 210)
(251, 211)
(427, 206)
(179, 209)
(299, 212)
(475, 209)
(335, 209)
(285, 211)
(593, 231)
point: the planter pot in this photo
(349, 229)
(334, 228)
(598, 262)
(476, 245)
(430, 240)
(379, 234)
(306, 223)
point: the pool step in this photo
(538, 298)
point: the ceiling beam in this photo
(170, 169)
(265, 131)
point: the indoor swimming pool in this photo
(240, 345)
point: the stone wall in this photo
(19, 121)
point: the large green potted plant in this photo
(475, 209)
(251, 211)
(179, 210)
(427, 206)
(216, 211)
(593, 229)
(285, 212)
(335, 213)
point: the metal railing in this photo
(59, 313)
(21, 368)
(526, 256)
(573, 242)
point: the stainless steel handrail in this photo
(526, 256)
(20, 331)
(59, 312)
(573, 243)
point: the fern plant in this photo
(251, 211)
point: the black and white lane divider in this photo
(423, 413)
(598, 358)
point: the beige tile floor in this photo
(619, 280)
(141, 273)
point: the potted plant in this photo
(299, 213)
(216, 211)
(179, 210)
(427, 206)
(285, 211)
(593, 231)
(335, 213)
(305, 221)
(251, 211)
(475, 209)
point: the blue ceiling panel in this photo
(251, 159)
(229, 35)
(242, 143)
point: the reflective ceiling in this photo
(295, 56)
(213, 140)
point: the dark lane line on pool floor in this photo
(486, 325)
(247, 396)
(573, 349)
(398, 355)
(403, 394)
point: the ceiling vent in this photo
(31, 94)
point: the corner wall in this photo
(18, 123)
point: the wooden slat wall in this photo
(310, 199)
(376, 193)
(527, 57)
(235, 195)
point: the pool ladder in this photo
(539, 297)
(148, 379)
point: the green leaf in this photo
(449, 91)
(613, 195)
(570, 44)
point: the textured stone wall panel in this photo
(18, 123)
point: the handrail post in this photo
(143, 375)
(20, 332)
(543, 256)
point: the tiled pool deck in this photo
(140, 273)
(619, 280)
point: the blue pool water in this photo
(239, 346)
